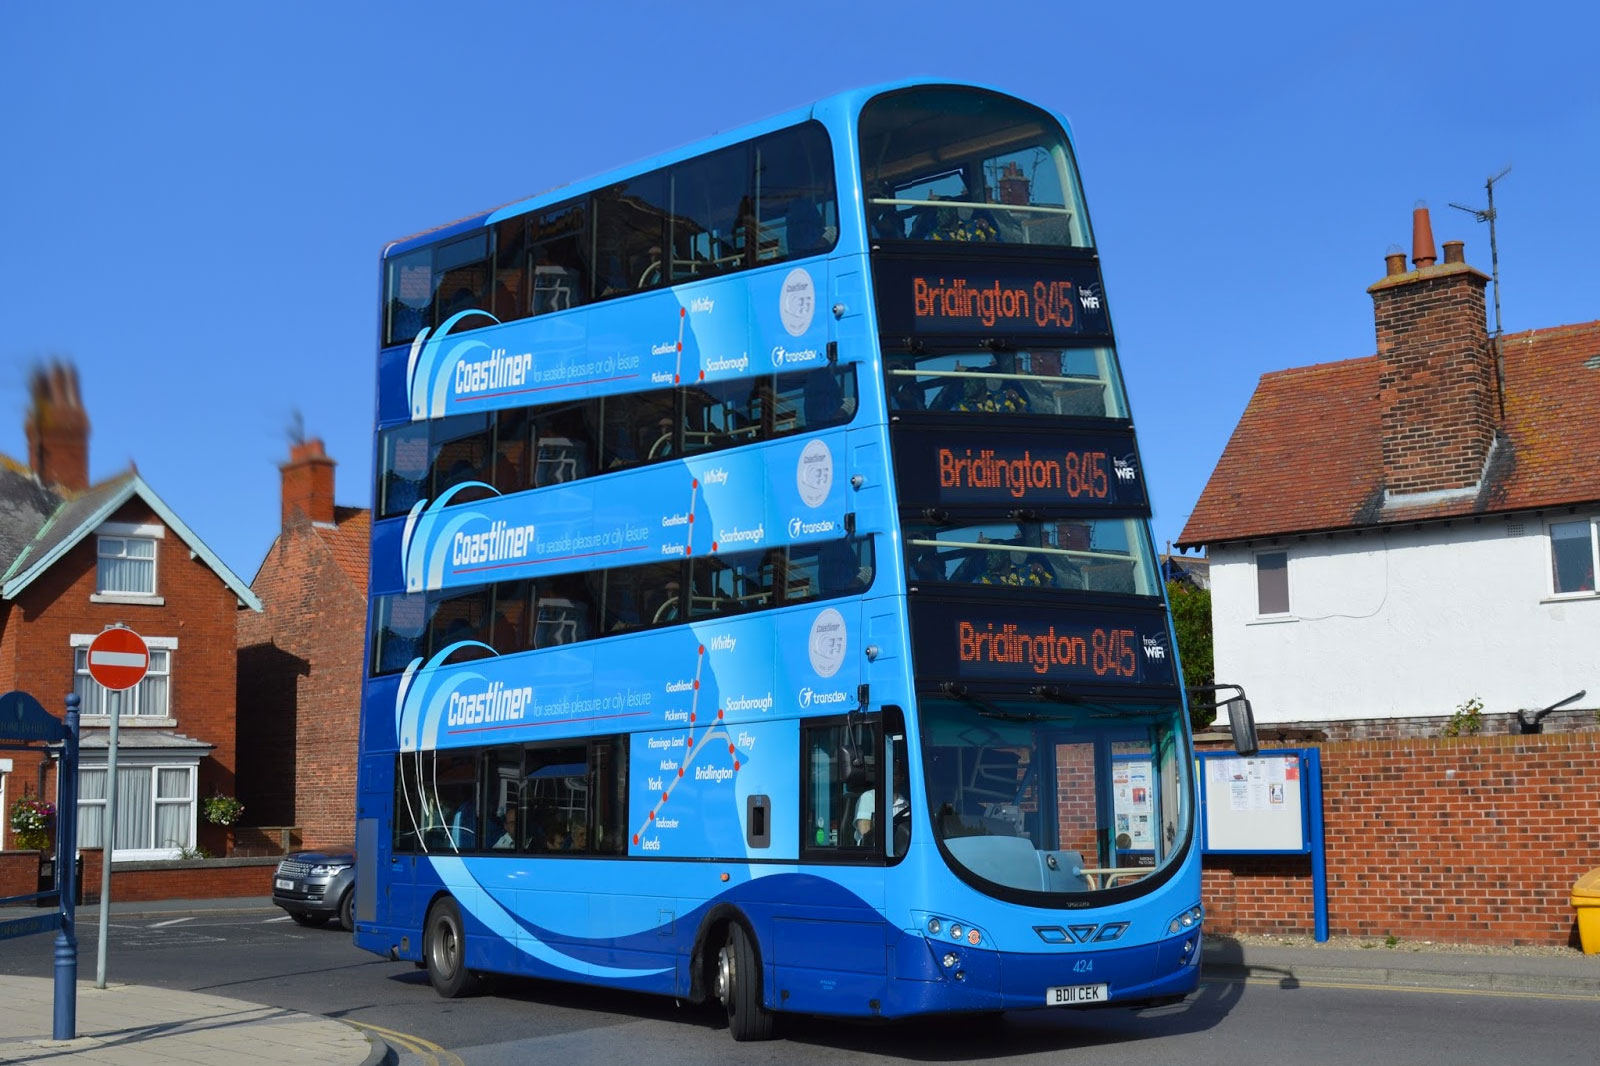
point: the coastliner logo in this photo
(813, 474)
(797, 302)
(828, 642)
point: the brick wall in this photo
(144, 882)
(1473, 839)
(300, 671)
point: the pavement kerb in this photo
(380, 1049)
(1552, 984)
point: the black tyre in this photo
(444, 948)
(310, 921)
(738, 986)
(347, 911)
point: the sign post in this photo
(22, 718)
(118, 659)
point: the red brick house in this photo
(300, 660)
(1398, 537)
(76, 558)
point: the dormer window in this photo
(126, 569)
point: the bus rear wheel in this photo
(444, 949)
(739, 987)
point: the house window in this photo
(1572, 556)
(1272, 583)
(155, 810)
(151, 698)
(127, 566)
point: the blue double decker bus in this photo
(763, 605)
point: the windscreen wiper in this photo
(957, 691)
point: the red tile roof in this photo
(1305, 456)
(350, 541)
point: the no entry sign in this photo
(118, 659)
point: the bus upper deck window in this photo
(970, 166)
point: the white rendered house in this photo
(1395, 535)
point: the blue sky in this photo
(193, 196)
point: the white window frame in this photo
(126, 531)
(154, 768)
(1593, 522)
(93, 696)
(5, 804)
(1288, 587)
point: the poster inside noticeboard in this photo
(1133, 807)
(1255, 804)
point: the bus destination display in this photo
(1031, 299)
(1092, 468)
(1041, 644)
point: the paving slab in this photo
(141, 1025)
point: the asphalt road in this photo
(271, 960)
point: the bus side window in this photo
(797, 214)
(706, 198)
(558, 263)
(631, 235)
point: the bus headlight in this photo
(935, 927)
(1189, 919)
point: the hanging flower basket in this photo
(33, 823)
(222, 810)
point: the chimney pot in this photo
(1455, 252)
(1422, 251)
(1394, 260)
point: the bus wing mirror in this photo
(1242, 723)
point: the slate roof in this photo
(1305, 456)
(66, 520)
(25, 506)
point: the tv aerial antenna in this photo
(1488, 215)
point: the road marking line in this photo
(1505, 993)
(435, 1054)
(283, 918)
(171, 921)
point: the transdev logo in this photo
(431, 368)
(808, 697)
(436, 540)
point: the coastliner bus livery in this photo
(763, 605)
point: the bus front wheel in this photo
(444, 949)
(739, 987)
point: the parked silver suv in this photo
(314, 886)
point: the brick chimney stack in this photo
(308, 484)
(1436, 378)
(57, 428)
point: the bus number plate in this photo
(1067, 995)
